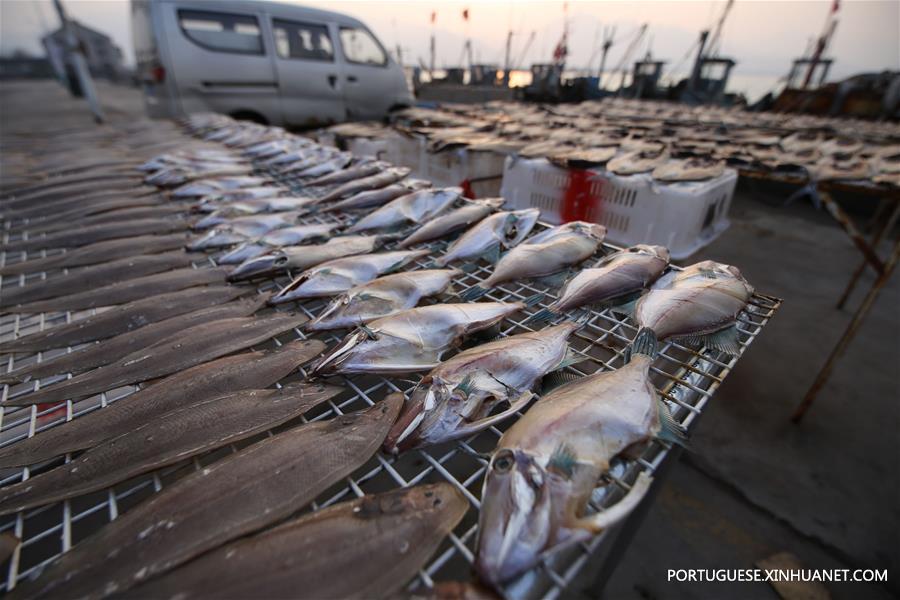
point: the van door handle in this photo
(332, 80)
(351, 78)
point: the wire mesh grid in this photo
(685, 377)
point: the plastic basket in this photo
(682, 216)
(480, 171)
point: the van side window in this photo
(360, 47)
(302, 40)
(221, 31)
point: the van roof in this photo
(286, 10)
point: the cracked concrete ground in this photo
(753, 484)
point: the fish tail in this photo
(545, 315)
(644, 343)
(534, 299)
(473, 293)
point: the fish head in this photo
(522, 504)
(518, 225)
(592, 230)
(354, 344)
(660, 252)
(348, 309)
(260, 266)
(492, 203)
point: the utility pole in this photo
(506, 65)
(76, 55)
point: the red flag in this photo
(835, 6)
(465, 14)
(433, 16)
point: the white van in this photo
(275, 63)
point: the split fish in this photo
(453, 221)
(373, 182)
(286, 236)
(689, 169)
(242, 229)
(413, 209)
(365, 168)
(377, 197)
(488, 236)
(98, 233)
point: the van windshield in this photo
(360, 47)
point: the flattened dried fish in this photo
(382, 297)
(87, 278)
(547, 463)
(231, 373)
(108, 351)
(336, 276)
(98, 233)
(453, 221)
(372, 182)
(167, 439)
(128, 291)
(287, 236)
(415, 208)
(99, 253)
(192, 346)
(259, 485)
(363, 549)
(690, 169)
(377, 197)
(456, 399)
(502, 230)
(412, 340)
(363, 169)
(638, 161)
(617, 279)
(304, 257)
(699, 305)
(242, 229)
(549, 252)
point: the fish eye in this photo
(503, 461)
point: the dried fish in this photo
(98, 253)
(287, 236)
(229, 374)
(453, 221)
(638, 161)
(502, 230)
(251, 489)
(242, 229)
(412, 340)
(192, 346)
(372, 182)
(415, 208)
(619, 278)
(205, 187)
(689, 169)
(547, 463)
(377, 197)
(365, 168)
(98, 233)
(108, 351)
(548, 253)
(128, 291)
(382, 297)
(339, 275)
(456, 398)
(698, 305)
(304, 257)
(87, 278)
(169, 438)
(361, 549)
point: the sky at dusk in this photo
(763, 36)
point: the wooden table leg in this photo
(856, 237)
(850, 332)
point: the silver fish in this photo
(382, 297)
(371, 198)
(412, 340)
(363, 168)
(456, 399)
(502, 230)
(325, 160)
(549, 252)
(372, 182)
(699, 305)
(339, 275)
(254, 207)
(242, 229)
(546, 465)
(414, 208)
(615, 280)
(304, 257)
(453, 221)
(205, 187)
(286, 236)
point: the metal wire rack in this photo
(686, 377)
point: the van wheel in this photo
(249, 115)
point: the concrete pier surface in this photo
(751, 485)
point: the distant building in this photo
(104, 58)
(20, 65)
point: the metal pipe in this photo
(80, 64)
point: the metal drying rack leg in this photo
(880, 232)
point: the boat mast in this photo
(822, 43)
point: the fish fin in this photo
(468, 268)
(515, 404)
(473, 293)
(670, 429)
(492, 255)
(644, 343)
(725, 340)
(556, 379)
(563, 461)
(534, 299)
(618, 511)
(545, 315)
(555, 280)
(571, 358)
(625, 308)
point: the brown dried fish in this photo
(362, 549)
(98, 233)
(231, 373)
(236, 496)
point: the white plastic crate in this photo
(684, 217)
(379, 148)
(482, 169)
(407, 151)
